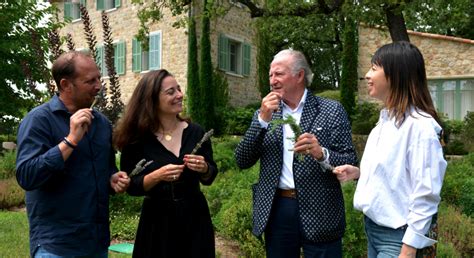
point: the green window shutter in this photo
(67, 10)
(154, 52)
(100, 4)
(117, 3)
(136, 55)
(246, 59)
(120, 57)
(223, 49)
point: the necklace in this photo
(168, 136)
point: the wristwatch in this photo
(325, 155)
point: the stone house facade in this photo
(232, 45)
(449, 65)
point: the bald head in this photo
(65, 66)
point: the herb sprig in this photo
(139, 167)
(289, 120)
(203, 139)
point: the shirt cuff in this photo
(263, 124)
(417, 240)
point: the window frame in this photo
(69, 9)
(242, 60)
(437, 91)
(101, 4)
(120, 49)
(146, 57)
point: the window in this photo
(147, 60)
(107, 4)
(72, 9)
(234, 56)
(453, 97)
(119, 59)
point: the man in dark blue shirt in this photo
(66, 164)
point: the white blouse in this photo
(401, 174)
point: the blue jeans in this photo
(42, 253)
(383, 242)
(284, 235)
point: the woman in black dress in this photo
(175, 219)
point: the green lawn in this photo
(14, 235)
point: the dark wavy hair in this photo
(140, 116)
(404, 68)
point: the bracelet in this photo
(69, 143)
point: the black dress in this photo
(175, 219)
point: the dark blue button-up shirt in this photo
(66, 201)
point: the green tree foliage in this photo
(206, 74)
(453, 18)
(23, 55)
(349, 76)
(193, 90)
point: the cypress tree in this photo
(205, 74)
(193, 90)
(264, 58)
(349, 78)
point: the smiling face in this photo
(377, 83)
(171, 97)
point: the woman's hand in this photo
(407, 252)
(196, 163)
(346, 173)
(168, 173)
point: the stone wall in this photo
(124, 24)
(445, 57)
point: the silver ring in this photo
(174, 177)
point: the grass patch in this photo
(14, 236)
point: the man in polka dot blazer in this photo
(297, 202)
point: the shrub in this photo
(230, 201)
(467, 133)
(354, 240)
(124, 216)
(11, 194)
(330, 94)
(365, 117)
(238, 119)
(456, 229)
(223, 149)
(123, 226)
(7, 164)
(458, 184)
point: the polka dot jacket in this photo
(319, 194)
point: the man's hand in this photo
(119, 182)
(346, 173)
(79, 124)
(308, 144)
(270, 104)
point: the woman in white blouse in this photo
(402, 169)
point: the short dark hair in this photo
(65, 66)
(404, 68)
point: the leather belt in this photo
(288, 193)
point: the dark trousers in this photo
(284, 235)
